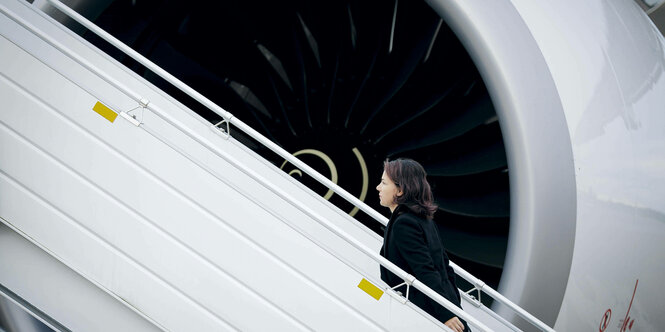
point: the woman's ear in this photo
(400, 193)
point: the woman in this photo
(411, 240)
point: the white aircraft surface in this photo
(121, 208)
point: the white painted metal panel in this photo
(608, 63)
(33, 272)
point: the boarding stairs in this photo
(121, 209)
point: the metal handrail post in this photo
(502, 299)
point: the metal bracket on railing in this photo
(220, 131)
(408, 282)
(143, 104)
(476, 301)
(402, 299)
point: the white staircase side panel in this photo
(31, 271)
(158, 220)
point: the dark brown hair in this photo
(410, 177)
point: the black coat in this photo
(413, 244)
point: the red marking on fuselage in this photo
(625, 320)
(605, 321)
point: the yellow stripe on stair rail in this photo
(105, 111)
(370, 289)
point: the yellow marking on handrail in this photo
(104, 111)
(370, 289)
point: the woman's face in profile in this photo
(388, 191)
